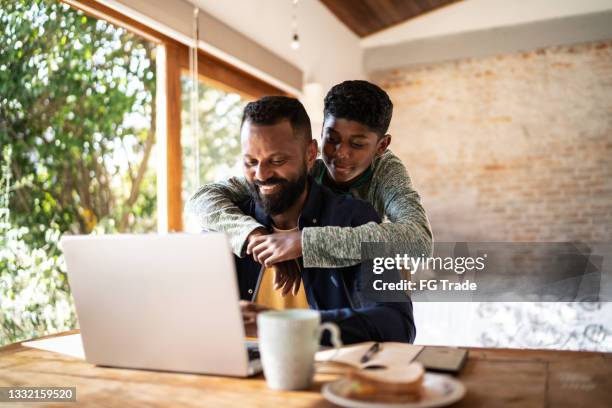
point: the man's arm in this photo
(373, 321)
(382, 322)
(214, 208)
(325, 247)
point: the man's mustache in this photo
(270, 182)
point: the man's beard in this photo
(284, 198)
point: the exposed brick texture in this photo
(510, 148)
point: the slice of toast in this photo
(396, 384)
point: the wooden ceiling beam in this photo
(366, 17)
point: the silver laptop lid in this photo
(163, 302)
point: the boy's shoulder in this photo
(390, 176)
(387, 160)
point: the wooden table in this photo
(493, 377)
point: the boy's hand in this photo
(287, 277)
(259, 232)
(274, 248)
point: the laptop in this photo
(159, 302)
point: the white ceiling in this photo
(329, 51)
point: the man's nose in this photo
(263, 172)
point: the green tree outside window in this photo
(77, 111)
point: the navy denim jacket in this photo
(334, 291)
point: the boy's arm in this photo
(326, 247)
(214, 209)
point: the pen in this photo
(370, 353)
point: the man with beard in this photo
(278, 153)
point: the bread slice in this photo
(395, 384)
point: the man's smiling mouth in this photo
(268, 189)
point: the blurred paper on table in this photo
(391, 354)
(70, 345)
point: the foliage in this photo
(73, 93)
(34, 295)
(219, 116)
(76, 109)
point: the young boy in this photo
(354, 160)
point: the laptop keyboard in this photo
(253, 353)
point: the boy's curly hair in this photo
(361, 101)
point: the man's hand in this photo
(287, 277)
(249, 316)
(274, 248)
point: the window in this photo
(77, 130)
(218, 134)
(223, 92)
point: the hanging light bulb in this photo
(295, 39)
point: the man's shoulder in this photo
(345, 210)
(348, 202)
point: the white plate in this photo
(439, 390)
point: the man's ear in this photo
(312, 150)
(383, 144)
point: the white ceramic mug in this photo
(288, 340)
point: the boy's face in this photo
(349, 148)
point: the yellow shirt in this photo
(267, 296)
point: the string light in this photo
(194, 97)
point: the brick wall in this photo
(513, 147)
